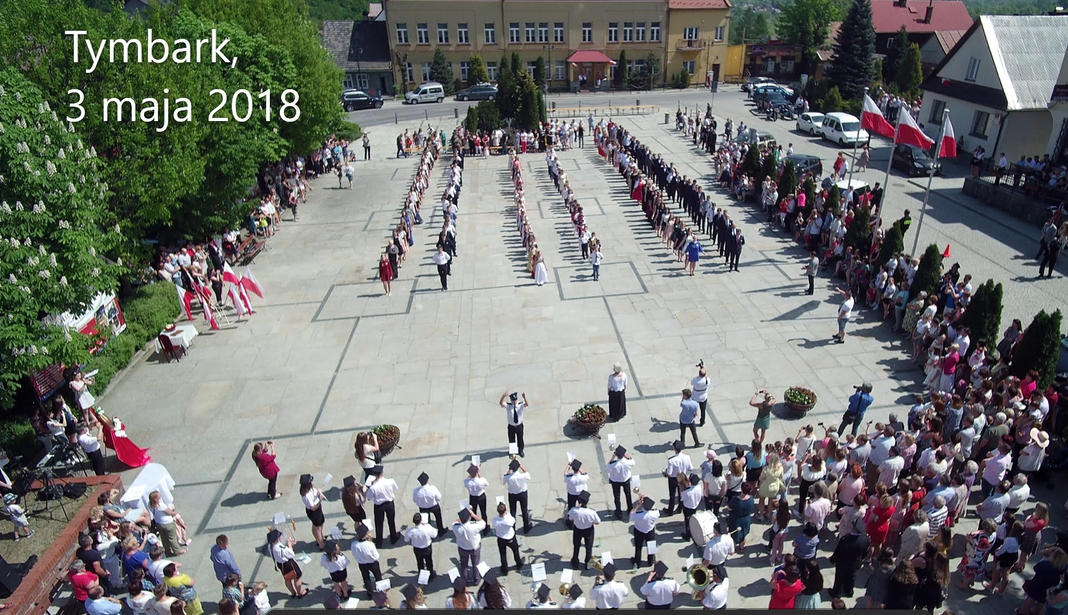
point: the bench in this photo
(248, 249)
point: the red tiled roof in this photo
(591, 56)
(888, 16)
(699, 4)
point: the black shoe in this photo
(526, 529)
(619, 515)
(504, 570)
(697, 444)
(574, 564)
(433, 575)
(393, 539)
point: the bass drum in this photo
(702, 523)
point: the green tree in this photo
(894, 56)
(807, 23)
(476, 70)
(507, 96)
(471, 119)
(910, 73)
(528, 114)
(58, 233)
(854, 52)
(621, 70)
(651, 70)
(834, 196)
(337, 9)
(539, 72)
(927, 273)
(893, 243)
(788, 180)
(809, 188)
(1039, 348)
(751, 163)
(748, 25)
(441, 70)
(832, 101)
(983, 315)
(489, 116)
(682, 79)
(517, 65)
(858, 235)
(768, 168)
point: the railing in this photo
(692, 44)
(1024, 181)
(605, 110)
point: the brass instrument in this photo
(698, 577)
(595, 563)
(565, 590)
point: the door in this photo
(716, 74)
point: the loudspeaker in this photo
(11, 576)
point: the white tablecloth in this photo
(182, 335)
(153, 477)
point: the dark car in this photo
(356, 99)
(482, 91)
(914, 160)
(771, 98)
(806, 163)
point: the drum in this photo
(702, 523)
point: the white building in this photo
(1058, 106)
(997, 84)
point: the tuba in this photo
(595, 563)
(565, 590)
(698, 577)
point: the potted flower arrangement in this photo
(388, 437)
(589, 417)
(800, 399)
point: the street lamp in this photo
(359, 69)
(402, 70)
(549, 68)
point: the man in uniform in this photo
(516, 481)
(619, 475)
(644, 518)
(583, 519)
(383, 493)
(421, 536)
(610, 594)
(365, 555)
(515, 411)
(428, 499)
(575, 480)
(658, 590)
(699, 386)
(468, 533)
(678, 464)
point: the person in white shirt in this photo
(596, 258)
(468, 533)
(717, 549)
(336, 565)
(693, 496)
(504, 529)
(89, 439)
(476, 489)
(644, 518)
(541, 599)
(313, 507)
(699, 387)
(516, 481)
(383, 493)
(156, 564)
(658, 590)
(421, 536)
(845, 310)
(715, 595)
(442, 260)
(583, 521)
(428, 499)
(575, 480)
(617, 393)
(515, 410)
(609, 595)
(492, 595)
(575, 599)
(366, 557)
(619, 475)
(678, 464)
(286, 561)
(461, 599)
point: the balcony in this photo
(693, 45)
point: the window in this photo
(348, 82)
(409, 74)
(462, 37)
(639, 32)
(937, 110)
(688, 66)
(543, 32)
(654, 32)
(587, 32)
(628, 31)
(979, 124)
(559, 70)
(443, 34)
(530, 31)
(973, 70)
(491, 34)
(491, 68)
(690, 34)
(788, 65)
(611, 72)
(423, 33)
(719, 33)
(361, 81)
(531, 65)
(426, 71)
(463, 70)
(402, 34)
(558, 32)
(769, 65)
(613, 32)
(513, 32)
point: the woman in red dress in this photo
(115, 438)
(385, 272)
(879, 522)
(636, 193)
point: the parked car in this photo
(753, 82)
(843, 129)
(760, 137)
(358, 99)
(914, 160)
(481, 91)
(761, 90)
(807, 163)
(430, 91)
(859, 186)
(810, 122)
(771, 98)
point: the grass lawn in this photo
(46, 524)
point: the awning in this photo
(590, 56)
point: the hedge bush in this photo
(17, 437)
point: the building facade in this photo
(688, 34)
(361, 50)
(1057, 148)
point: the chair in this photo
(169, 349)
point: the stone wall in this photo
(1017, 204)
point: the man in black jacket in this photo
(846, 558)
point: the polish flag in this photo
(872, 120)
(908, 132)
(949, 142)
(229, 275)
(185, 298)
(235, 298)
(208, 316)
(250, 283)
(244, 299)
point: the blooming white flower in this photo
(18, 205)
(118, 229)
(63, 280)
(1, 129)
(18, 96)
(52, 260)
(26, 166)
(1, 90)
(61, 154)
(92, 151)
(92, 251)
(28, 243)
(25, 289)
(11, 278)
(44, 350)
(55, 118)
(4, 207)
(118, 262)
(70, 187)
(40, 108)
(38, 207)
(95, 272)
(47, 140)
(45, 274)
(66, 334)
(42, 250)
(63, 224)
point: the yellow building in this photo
(580, 40)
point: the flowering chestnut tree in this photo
(55, 234)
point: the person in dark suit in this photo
(845, 558)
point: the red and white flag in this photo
(243, 294)
(250, 283)
(949, 142)
(229, 275)
(909, 132)
(205, 302)
(872, 120)
(239, 304)
(185, 298)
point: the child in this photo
(17, 516)
(260, 598)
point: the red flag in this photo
(235, 298)
(910, 133)
(949, 142)
(185, 298)
(872, 120)
(244, 299)
(251, 284)
(229, 275)
(208, 316)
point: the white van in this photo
(843, 129)
(430, 91)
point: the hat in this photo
(459, 583)
(543, 592)
(377, 470)
(584, 497)
(576, 465)
(472, 470)
(332, 603)
(424, 478)
(719, 528)
(361, 531)
(273, 536)
(465, 515)
(349, 481)
(409, 592)
(1039, 437)
(677, 445)
(513, 396)
(620, 451)
(515, 465)
(694, 479)
(306, 479)
(648, 504)
(10, 498)
(660, 569)
(609, 569)
(330, 546)
(574, 591)
(381, 599)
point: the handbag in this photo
(184, 593)
(768, 534)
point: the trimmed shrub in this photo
(1039, 348)
(928, 273)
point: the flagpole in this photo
(889, 163)
(930, 177)
(853, 165)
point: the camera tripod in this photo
(49, 491)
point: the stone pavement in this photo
(327, 355)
